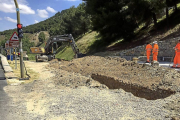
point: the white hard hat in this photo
(155, 42)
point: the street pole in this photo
(20, 42)
(15, 59)
(10, 53)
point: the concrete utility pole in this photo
(20, 42)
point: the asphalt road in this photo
(3, 96)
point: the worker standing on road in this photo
(177, 56)
(148, 51)
(155, 51)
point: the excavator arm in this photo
(47, 52)
(61, 38)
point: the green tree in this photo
(173, 3)
(84, 19)
(41, 37)
(111, 18)
(27, 44)
(73, 21)
(143, 11)
(2, 43)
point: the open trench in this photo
(136, 90)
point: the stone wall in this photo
(165, 49)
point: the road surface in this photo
(163, 64)
(3, 96)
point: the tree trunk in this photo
(148, 22)
(167, 16)
(84, 28)
(154, 18)
(136, 22)
(175, 5)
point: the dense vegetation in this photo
(70, 21)
(41, 37)
(113, 20)
(73, 21)
(27, 44)
(120, 18)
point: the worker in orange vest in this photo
(177, 56)
(155, 51)
(148, 51)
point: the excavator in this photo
(48, 52)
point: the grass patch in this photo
(88, 44)
(66, 54)
(114, 43)
(31, 56)
(43, 44)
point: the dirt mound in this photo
(71, 79)
(59, 94)
(143, 81)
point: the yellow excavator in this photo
(48, 52)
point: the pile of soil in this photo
(142, 80)
(96, 88)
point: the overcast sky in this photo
(31, 11)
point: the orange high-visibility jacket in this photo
(148, 48)
(155, 48)
(177, 47)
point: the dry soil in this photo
(97, 88)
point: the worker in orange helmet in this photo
(148, 51)
(177, 55)
(155, 51)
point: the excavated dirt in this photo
(96, 88)
(141, 80)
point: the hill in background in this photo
(68, 21)
(73, 21)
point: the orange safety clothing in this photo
(175, 60)
(155, 52)
(148, 51)
(177, 56)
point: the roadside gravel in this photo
(72, 96)
(88, 103)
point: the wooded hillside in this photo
(123, 21)
(73, 21)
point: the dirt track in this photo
(97, 88)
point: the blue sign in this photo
(17, 9)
